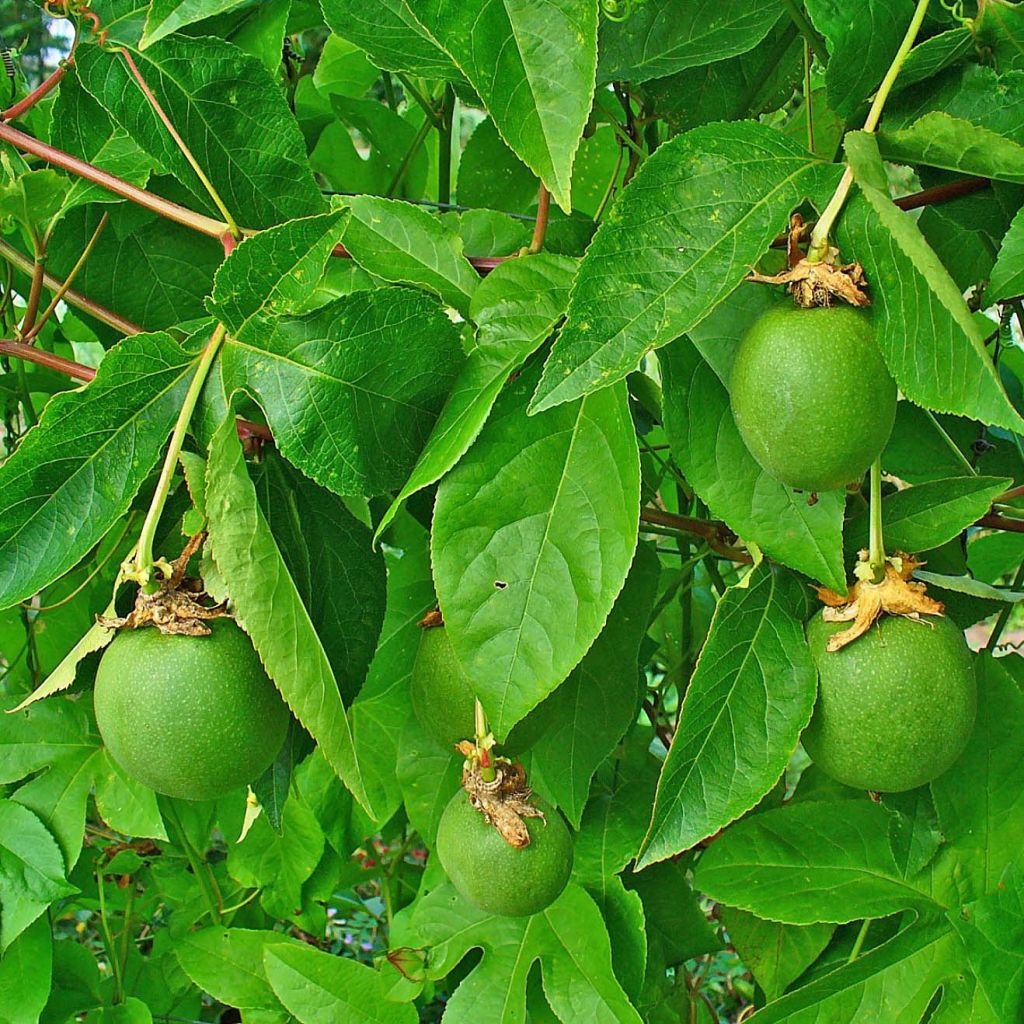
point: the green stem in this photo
(410, 155)
(482, 730)
(389, 91)
(1004, 615)
(540, 229)
(814, 39)
(858, 944)
(818, 247)
(444, 147)
(108, 937)
(26, 396)
(412, 91)
(876, 543)
(951, 443)
(144, 553)
(200, 868)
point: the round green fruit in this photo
(496, 876)
(189, 716)
(441, 695)
(895, 707)
(811, 395)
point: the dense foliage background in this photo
(470, 278)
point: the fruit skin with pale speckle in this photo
(440, 690)
(190, 717)
(494, 875)
(811, 395)
(895, 707)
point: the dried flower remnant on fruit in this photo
(177, 607)
(504, 801)
(894, 594)
(819, 283)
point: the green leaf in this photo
(992, 930)
(149, 270)
(219, 99)
(933, 345)
(861, 45)
(533, 535)
(708, 447)
(271, 273)
(568, 938)
(429, 776)
(351, 391)
(972, 587)
(343, 69)
(25, 975)
(939, 140)
(32, 198)
(228, 963)
(76, 473)
(893, 983)
(777, 954)
(380, 710)
(279, 864)
(934, 54)
(168, 16)
(810, 862)
(927, 515)
(515, 307)
(673, 254)
(1007, 280)
(31, 871)
(749, 699)
(315, 986)
(533, 66)
(268, 606)
(326, 550)
(602, 691)
(659, 38)
(980, 800)
(126, 805)
(407, 245)
(391, 34)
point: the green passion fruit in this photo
(441, 695)
(492, 874)
(190, 717)
(895, 707)
(811, 395)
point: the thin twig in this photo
(540, 229)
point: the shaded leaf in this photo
(673, 255)
(169, 16)
(349, 398)
(25, 975)
(533, 535)
(749, 699)
(1007, 279)
(76, 473)
(429, 776)
(219, 99)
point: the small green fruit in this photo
(811, 395)
(895, 707)
(441, 695)
(191, 717)
(495, 876)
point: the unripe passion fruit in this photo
(811, 395)
(191, 717)
(496, 876)
(440, 690)
(895, 707)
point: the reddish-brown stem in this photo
(994, 521)
(39, 92)
(540, 229)
(942, 193)
(35, 293)
(73, 298)
(164, 207)
(1014, 492)
(715, 532)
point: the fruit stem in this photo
(876, 545)
(1004, 615)
(817, 250)
(140, 572)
